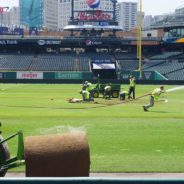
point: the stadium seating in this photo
(166, 67)
(53, 63)
(177, 75)
(165, 55)
(169, 64)
(15, 62)
(152, 63)
(128, 65)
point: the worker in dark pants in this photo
(131, 87)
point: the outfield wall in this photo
(79, 77)
(146, 75)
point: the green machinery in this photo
(5, 161)
(99, 89)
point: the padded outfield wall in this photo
(79, 77)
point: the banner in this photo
(29, 75)
(68, 75)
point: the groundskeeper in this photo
(154, 96)
(123, 94)
(85, 95)
(107, 91)
(88, 86)
(131, 87)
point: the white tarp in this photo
(102, 66)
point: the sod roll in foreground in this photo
(64, 155)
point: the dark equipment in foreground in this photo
(5, 161)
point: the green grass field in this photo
(122, 137)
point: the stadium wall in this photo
(69, 78)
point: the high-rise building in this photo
(140, 17)
(147, 21)
(4, 16)
(14, 15)
(127, 15)
(39, 13)
(31, 13)
(64, 9)
(50, 14)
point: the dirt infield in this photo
(118, 175)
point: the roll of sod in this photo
(65, 155)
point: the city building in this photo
(147, 21)
(50, 14)
(31, 13)
(14, 16)
(127, 15)
(179, 11)
(4, 16)
(39, 13)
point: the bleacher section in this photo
(171, 65)
(53, 63)
(166, 67)
(152, 63)
(128, 65)
(165, 55)
(177, 75)
(125, 56)
(126, 61)
(45, 62)
(15, 62)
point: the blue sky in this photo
(150, 7)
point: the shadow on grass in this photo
(158, 112)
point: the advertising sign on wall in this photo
(69, 75)
(29, 75)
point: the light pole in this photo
(2, 11)
(139, 46)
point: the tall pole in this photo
(114, 10)
(72, 10)
(140, 40)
